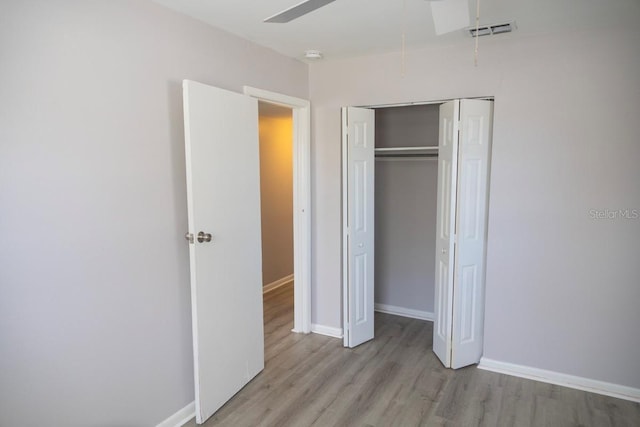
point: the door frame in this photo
(344, 248)
(301, 109)
(344, 254)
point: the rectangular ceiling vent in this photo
(488, 30)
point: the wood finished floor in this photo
(395, 380)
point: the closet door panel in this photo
(468, 295)
(447, 184)
(358, 199)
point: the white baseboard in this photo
(326, 330)
(181, 417)
(404, 312)
(277, 284)
(552, 377)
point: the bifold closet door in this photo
(358, 155)
(463, 175)
(476, 117)
(445, 229)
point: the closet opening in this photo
(415, 210)
(406, 175)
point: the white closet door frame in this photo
(453, 328)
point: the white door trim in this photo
(408, 104)
(301, 200)
(345, 240)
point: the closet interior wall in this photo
(405, 211)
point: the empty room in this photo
(451, 237)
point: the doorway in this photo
(275, 134)
(224, 235)
(301, 123)
(427, 238)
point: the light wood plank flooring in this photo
(396, 380)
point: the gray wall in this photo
(407, 126)
(405, 209)
(562, 288)
(276, 191)
(95, 318)
(405, 232)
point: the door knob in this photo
(204, 237)
(189, 237)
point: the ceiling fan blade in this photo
(297, 11)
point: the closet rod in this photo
(398, 155)
(388, 149)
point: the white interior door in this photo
(358, 216)
(445, 229)
(468, 292)
(223, 192)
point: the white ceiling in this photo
(356, 27)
